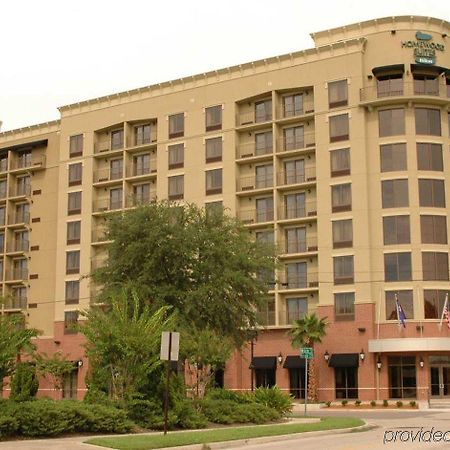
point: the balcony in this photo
(253, 216)
(287, 318)
(400, 92)
(35, 162)
(20, 191)
(20, 246)
(138, 200)
(99, 236)
(106, 205)
(142, 172)
(250, 150)
(266, 318)
(16, 303)
(97, 263)
(3, 193)
(3, 165)
(108, 146)
(19, 218)
(135, 143)
(304, 211)
(296, 246)
(306, 176)
(17, 274)
(107, 176)
(253, 182)
(303, 281)
(301, 143)
(253, 118)
(287, 114)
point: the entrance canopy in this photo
(264, 362)
(294, 362)
(344, 360)
(409, 345)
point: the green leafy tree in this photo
(306, 332)
(201, 263)
(24, 383)
(205, 352)
(15, 340)
(54, 367)
(123, 344)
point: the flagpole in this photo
(398, 312)
(443, 310)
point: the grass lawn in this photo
(173, 439)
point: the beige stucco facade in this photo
(292, 192)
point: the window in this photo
(73, 232)
(141, 193)
(339, 128)
(343, 269)
(393, 157)
(70, 383)
(294, 205)
(341, 197)
(141, 164)
(116, 169)
(176, 187)
(213, 118)
(394, 193)
(346, 382)
(176, 125)
(264, 209)
(23, 185)
(391, 122)
(2, 245)
(426, 85)
(429, 157)
(434, 301)
(263, 111)
(74, 203)
(342, 233)
(396, 230)
(296, 240)
(433, 229)
(22, 213)
(213, 181)
(72, 292)
(296, 308)
(397, 267)
(76, 146)
(2, 215)
(115, 198)
(4, 162)
(263, 176)
(142, 134)
(116, 139)
(20, 241)
(390, 85)
(24, 159)
(428, 121)
(75, 174)
(405, 298)
(214, 207)
(265, 236)
(263, 143)
(402, 376)
(1, 265)
(19, 297)
(293, 105)
(176, 156)
(20, 269)
(435, 266)
(294, 171)
(432, 193)
(213, 148)
(296, 274)
(70, 322)
(337, 93)
(340, 162)
(344, 306)
(73, 262)
(3, 189)
(293, 138)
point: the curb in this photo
(266, 439)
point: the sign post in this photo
(306, 353)
(170, 345)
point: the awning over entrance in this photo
(430, 69)
(394, 68)
(294, 362)
(344, 360)
(264, 362)
(409, 345)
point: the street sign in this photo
(306, 353)
(170, 342)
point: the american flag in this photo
(445, 313)
(401, 316)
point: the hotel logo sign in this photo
(424, 49)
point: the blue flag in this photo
(400, 313)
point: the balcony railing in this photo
(107, 175)
(308, 209)
(17, 274)
(147, 140)
(18, 218)
(104, 205)
(138, 171)
(372, 93)
(309, 280)
(254, 216)
(298, 143)
(20, 191)
(107, 146)
(286, 317)
(3, 165)
(98, 235)
(250, 149)
(97, 263)
(251, 117)
(36, 161)
(254, 182)
(289, 246)
(16, 303)
(18, 246)
(306, 175)
(265, 318)
(138, 200)
(3, 194)
(286, 113)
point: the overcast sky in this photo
(60, 52)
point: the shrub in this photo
(385, 403)
(24, 382)
(188, 416)
(357, 402)
(224, 394)
(328, 404)
(412, 403)
(399, 404)
(144, 412)
(8, 426)
(344, 402)
(273, 398)
(373, 403)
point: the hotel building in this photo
(339, 154)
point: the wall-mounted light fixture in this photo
(379, 363)
(421, 362)
(280, 358)
(362, 355)
(326, 356)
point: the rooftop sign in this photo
(424, 48)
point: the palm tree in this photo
(305, 332)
